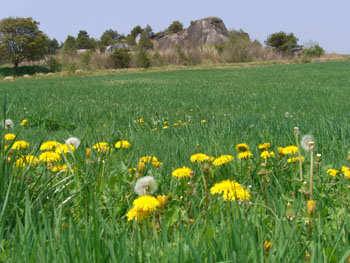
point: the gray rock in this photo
(110, 49)
(169, 42)
(210, 30)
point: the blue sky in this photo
(324, 21)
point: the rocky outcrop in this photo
(210, 30)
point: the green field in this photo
(80, 215)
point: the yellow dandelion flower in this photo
(24, 122)
(146, 203)
(242, 147)
(184, 123)
(20, 145)
(245, 155)
(332, 172)
(157, 164)
(27, 160)
(138, 215)
(264, 147)
(230, 190)
(162, 199)
(203, 121)
(265, 155)
(201, 157)
(140, 120)
(49, 157)
(267, 246)
(346, 171)
(165, 122)
(102, 147)
(223, 159)
(182, 172)
(132, 170)
(295, 159)
(154, 129)
(280, 151)
(311, 207)
(176, 124)
(147, 159)
(49, 146)
(291, 149)
(122, 144)
(59, 168)
(9, 136)
(64, 148)
(165, 127)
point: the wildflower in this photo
(64, 148)
(49, 157)
(201, 157)
(296, 159)
(140, 120)
(49, 146)
(122, 144)
(59, 168)
(305, 141)
(332, 172)
(245, 155)
(8, 124)
(230, 190)
(291, 149)
(346, 171)
(242, 147)
(176, 124)
(184, 123)
(267, 246)
(280, 151)
(147, 159)
(73, 141)
(102, 147)
(165, 127)
(88, 152)
(265, 155)
(24, 122)
(154, 129)
(203, 121)
(145, 186)
(264, 147)
(143, 207)
(132, 170)
(222, 160)
(9, 136)
(20, 145)
(311, 207)
(182, 172)
(162, 199)
(27, 159)
(165, 122)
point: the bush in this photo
(54, 65)
(175, 27)
(121, 58)
(313, 50)
(142, 59)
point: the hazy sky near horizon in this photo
(324, 21)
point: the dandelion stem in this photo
(207, 189)
(311, 146)
(296, 132)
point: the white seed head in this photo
(305, 142)
(145, 186)
(73, 141)
(8, 124)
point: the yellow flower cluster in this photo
(245, 155)
(265, 146)
(18, 145)
(291, 149)
(296, 159)
(49, 156)
(143, 207)
(230, 190)
(9, 136)
(122, 144)
(49, 146)
(27, 160)
(147, 159)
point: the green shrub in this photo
(175, 27)
(121, 58)
(142, 59)
(313, 50)
(285, 43)
(54, 65)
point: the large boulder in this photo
(110, 49)
(210, 30)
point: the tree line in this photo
(22, 40)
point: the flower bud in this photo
(311, 207)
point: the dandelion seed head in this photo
(73, 141)
(145, 186)
(305, 141)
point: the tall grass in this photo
(79, 215)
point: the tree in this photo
(70, 44)
(109, 37)
(83, 40)
(21, 39)
(52, 46)
(175, 27)
(285, 43)
(145, 42)
(135, 31)
(121, 58)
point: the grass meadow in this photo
(82, 213)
